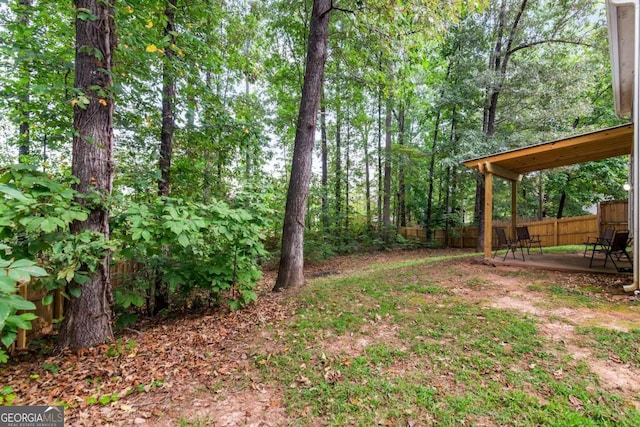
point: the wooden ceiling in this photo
(602, 144)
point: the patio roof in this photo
(602, 144)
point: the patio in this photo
(569, 262)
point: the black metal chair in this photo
(594, 242)
(615, 251)
(525, 240)
(505, 243)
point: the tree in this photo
(290, 271)
(87, 319)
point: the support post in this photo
(488, 213)
(21, 339)
(514, 208)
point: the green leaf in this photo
(8, 337)
(74, 290)
(183, 240)
(81, 278)
(18, 322)
(19, 303)
(12, 192)
(48, 225)
(48, 299)
(28, 316)
(4, 313)
(7, 285)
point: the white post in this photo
(618, 59)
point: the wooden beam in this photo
(611, 142)
(488, 213)
(502, 172)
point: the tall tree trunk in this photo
(338, 169)
(448, 204)
(563, 199)
(402, 205)
(367, 181)
(168, 101)
(290, 271)
(540, 196)
(434, 146)
(325, 170)
(25, 71)
(346, 174)
(87, 319)
(380, 155)
(386, 214)
(160, 291)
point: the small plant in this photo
(51, 367)
(118, 348)
(13, 273)
(7, 396)
(105, 399)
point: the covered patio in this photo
(574, 262)
(512, 165)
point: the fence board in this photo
(552, 232)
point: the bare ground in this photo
(204, 359)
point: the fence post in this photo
(21, 340)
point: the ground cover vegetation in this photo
(421, 337)
(163, 133)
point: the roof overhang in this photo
(603, 144)
(621, 24)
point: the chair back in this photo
(619, 241)
(608, 234)
(523, 233)
(502, 236)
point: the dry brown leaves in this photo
(127, 381)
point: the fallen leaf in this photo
(575, 401)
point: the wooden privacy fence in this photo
(553, 232)
(47, 314)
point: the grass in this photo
(617, 345)
(392, 346)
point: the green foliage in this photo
(35, 221)
(215, 247)
(7, 395)
(12, 274)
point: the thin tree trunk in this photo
(168, 101)
(87, 319)
(380, 154)
(338, 170)
(367, 183)
(563, 199)
(386, 214)
(290, 271)
(160, 291)
(346, 174)
(402, 206)
(325, 170)
(25, 69)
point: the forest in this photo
(166, 133)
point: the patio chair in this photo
(593, 242)
(525, 240)
(505, 243)
(615, 251)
